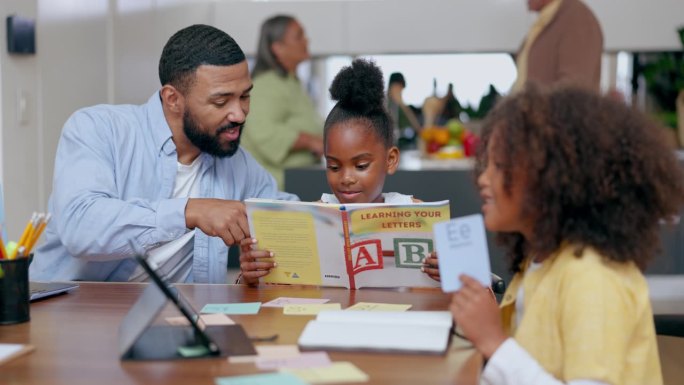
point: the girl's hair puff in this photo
(358, 90)
(597, 173)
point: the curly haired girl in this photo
(575, 185)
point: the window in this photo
(471, 75)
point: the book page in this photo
(389, 242)
(291, 236)
(420, 332)
(307, 239)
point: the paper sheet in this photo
(282, 301)
(232, 308)
(337, 372)
(371, 306)
(310, 309)
(461, 246)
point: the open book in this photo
(351, 245)
(409, 332)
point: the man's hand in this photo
(218, 218)
(476, 312)
(252, 262)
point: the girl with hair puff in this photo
(575, 185)
(358, 139)
(359, 151)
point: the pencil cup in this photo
(14, 291)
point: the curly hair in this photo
(360, 96)
(597, 173)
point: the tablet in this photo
(183, 306)
(141, 338)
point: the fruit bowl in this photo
(452, 141)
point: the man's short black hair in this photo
(192, 47)
(397, 77)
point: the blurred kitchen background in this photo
(106, 51)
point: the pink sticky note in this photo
(267, 351)
(303, 361)
(282, 301)
(216, 319)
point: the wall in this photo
(141, 28)
(68, 71)
(437, 26)
(20, 145)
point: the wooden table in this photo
(76, 338)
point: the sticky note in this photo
(461, 246)
(371, 306)
(267, 351)
(310, 309)
(337, 372)
(216, 319)
(232, 308)
(206, 319)
(261, 379)
(302, 361)
(282, 301)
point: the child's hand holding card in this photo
(461, 246)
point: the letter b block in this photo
(410, 252)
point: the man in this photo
(168, 174)
(563, 46)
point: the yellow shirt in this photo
(586, 318)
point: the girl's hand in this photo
(431, 266)
(476, 312)
(252, 263)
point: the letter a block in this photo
(366, 255)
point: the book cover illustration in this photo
(353, 246)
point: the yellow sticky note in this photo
(310, 309)
(337, 372)
(371, 306)
(205, 319)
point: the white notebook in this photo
(410, 332)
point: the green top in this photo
(279, 111)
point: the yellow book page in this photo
(291, 236)
(419, 219)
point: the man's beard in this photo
(210, 143)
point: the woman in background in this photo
(283, 129)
